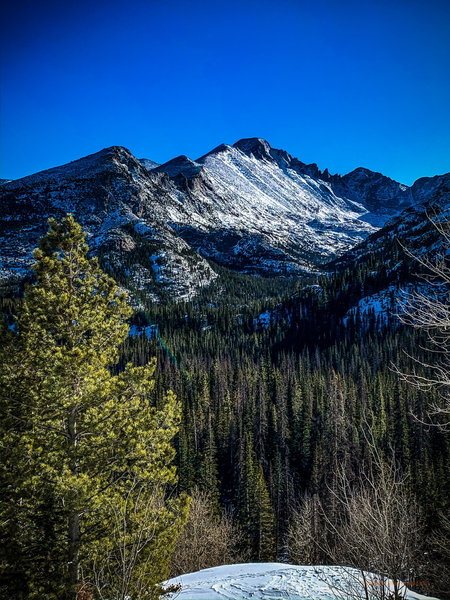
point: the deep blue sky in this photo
(336, 82)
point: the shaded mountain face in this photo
(249, 207)
(417, 230)
(381, 195)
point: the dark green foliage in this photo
(286, 405)
(83, 450)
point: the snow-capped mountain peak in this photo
(256, 147)
(249, 207)
(220, 149)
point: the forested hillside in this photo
(279, 397)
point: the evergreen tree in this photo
(264, 520)
(86, 455)
(255, 508)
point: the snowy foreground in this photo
(258, 581)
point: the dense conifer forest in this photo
(274, 410)
(283, 399)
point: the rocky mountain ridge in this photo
(422, 228)
(161, 228)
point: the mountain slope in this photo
(112, 196)
(249, 207)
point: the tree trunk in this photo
(73, 530)
(73, 553)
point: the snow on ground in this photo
(264, 581)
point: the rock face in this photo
(381, 195)
(418, 230)
(249, 207)
(123, 210)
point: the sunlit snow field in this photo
(264, 581)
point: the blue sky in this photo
(340, 83)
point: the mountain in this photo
(258, 210)
(416, 230)
(122, 209)
(156, 228)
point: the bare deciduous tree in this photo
(429, 311)
(382, 532)
(208, 540)
(305, 528)
(377, 535)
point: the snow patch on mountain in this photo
(389, 304)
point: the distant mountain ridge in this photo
(418, 228)
(248, 207)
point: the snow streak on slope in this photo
(289, 211)
(260, 581)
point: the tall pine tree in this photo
(86, 456)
